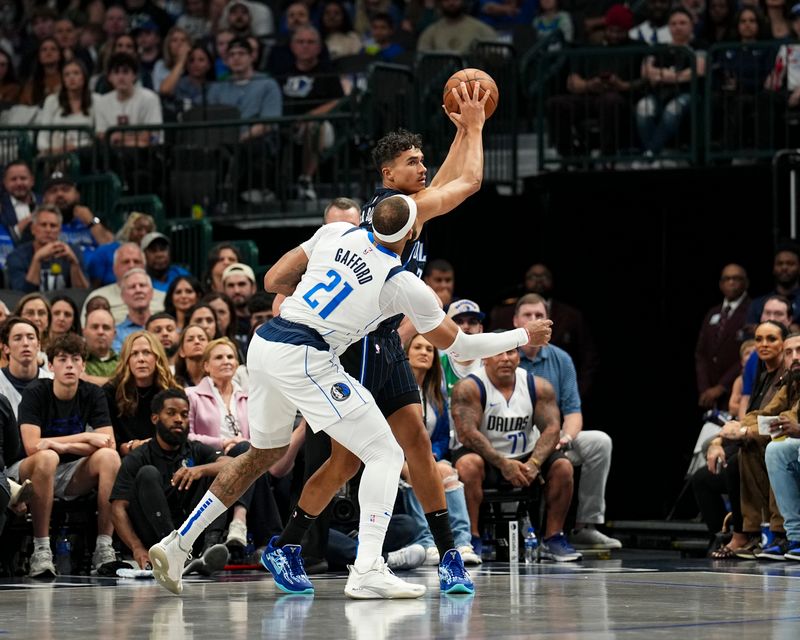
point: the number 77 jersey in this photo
(346, 292)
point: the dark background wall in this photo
(640, 253)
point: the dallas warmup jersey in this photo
(508, 424)
(351, 284)
(414, 256)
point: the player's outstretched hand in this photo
(472, 109)
(539, 332)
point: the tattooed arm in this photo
(547, 417)
(285, 274)
(465, 406)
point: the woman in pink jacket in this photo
(218, 418)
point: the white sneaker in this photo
(409, 557)
(432, 557)
(103, 554)
(19, 492)
(468, 555)
(168, 559)
(237, 534)
(590, 538)
(42, 564)
(379, 582)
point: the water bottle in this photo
(63, 559)
(531, 544)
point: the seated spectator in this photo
(17, 202)
(310, 88)
(161, 482)
(366, 10)
(9, 86)
(259, 19)
(736, 406)
(142, 372)
(220, 52)
(424, 360)
(63, 317)
(116, 22)
(380, 42)
(102, 360)
(455, 31)
(756, 500)
(127, 105)
(239, 283)
(203, 315)
(337, 31)
(504, 15)
(12, 495)
(169, 69)
(66, 36)
(72, 106)
(253, 93)
(191, 89)
(163, 327)
(128, 256)
(718, 23)
(469, 318)
(600, 88)
(69, 447)
(137, 294)
(218, 418)
(440, 276)
(46, 263)
(143, 12)
(100, 263)
(785, 76)
(148, 48)
(490, 456)
(79, 226)
(184, 292)
(225, 312)
(779, 13)
(220, 257)
(162, 272)
(41, 26)
(45, 79)
(550, 20)
(20, 340)
(123, 43)
(295, 15)
(189, 370)
(195, 19)
(36, 308)
(261, 307)
(590, 450)
(659, 114)
(786, 277)
(654, 29)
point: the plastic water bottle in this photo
(63, 559)
(531, 543)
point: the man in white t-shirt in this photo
(128, 105)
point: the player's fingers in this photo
(455, 91)
(476, 92)
(486, 94)
(465, 91)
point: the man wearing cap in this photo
(46, 263)
(239, 283)
(469, 318)
(148, 45)
(79, 225)
(137, 293)
(157, 258)
(144, 11)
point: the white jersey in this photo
(351, 284)
(508, 424)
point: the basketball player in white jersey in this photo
(341, 283)
(509, 425)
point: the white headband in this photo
(412, 218)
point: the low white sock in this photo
(40, 544)
(103, 540)
(209, 509)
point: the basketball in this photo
(469, 76)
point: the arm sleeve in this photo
(485, 345)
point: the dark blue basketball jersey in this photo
(414, 256)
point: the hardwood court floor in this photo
(633, 595)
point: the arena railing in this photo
(243, 168)
(600, 128)
(46, 149)
(744, 117)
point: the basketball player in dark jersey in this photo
(378, 361)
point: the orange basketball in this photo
(469, 76)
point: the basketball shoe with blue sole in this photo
(453, 577)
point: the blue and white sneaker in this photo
(793, 550)
(453, 577)
(286, 566)
(558, 549)
(775, 551)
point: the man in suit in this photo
(17, 202)
(717, 352)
